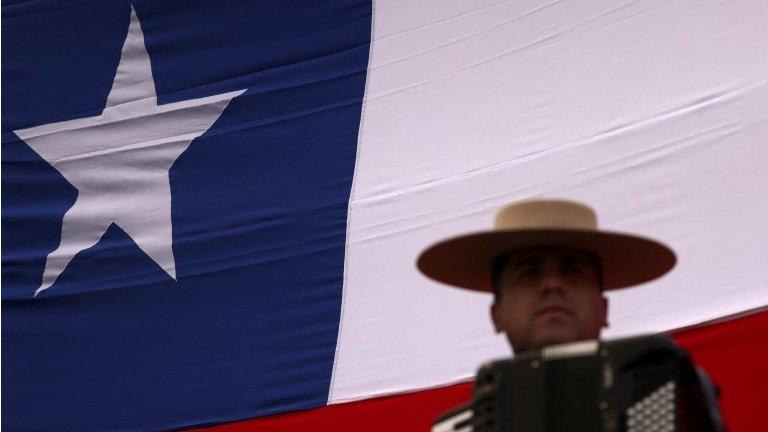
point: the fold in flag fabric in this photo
(211, 210)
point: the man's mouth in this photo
(554, 310)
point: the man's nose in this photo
(553, 282)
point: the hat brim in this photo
(466, 261)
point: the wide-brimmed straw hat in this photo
(467, 261)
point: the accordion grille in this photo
(655, 412)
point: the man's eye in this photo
(525, 272)
(575, 269)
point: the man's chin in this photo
(555, 335)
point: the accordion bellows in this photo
(643, 384)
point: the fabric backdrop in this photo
(211, 210)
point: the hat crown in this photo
(546, 214)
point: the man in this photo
(548, 267)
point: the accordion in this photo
(641, 384)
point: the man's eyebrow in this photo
(525, 262)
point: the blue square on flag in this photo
(175, 186)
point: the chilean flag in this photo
(211, 210)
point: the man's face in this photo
(549, 296)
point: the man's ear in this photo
(605, 311)
(496, 317)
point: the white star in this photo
(119, 160)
